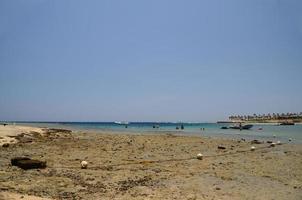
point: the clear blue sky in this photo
(153, 60)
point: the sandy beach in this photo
(153, 166)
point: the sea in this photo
(265, 132)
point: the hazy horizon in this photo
(196, 61)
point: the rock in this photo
(58, 130)
(269, 142)
(221, 147)
(27, 163)
(273, 144)
(5, 145)
(256, 142)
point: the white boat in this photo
(122, 123)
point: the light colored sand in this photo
(14, 130)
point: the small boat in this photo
(286, 124)
(122, 123)
(244, 127)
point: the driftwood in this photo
(27, 163)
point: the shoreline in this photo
(209, 132)
(149, 166)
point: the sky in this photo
(159, 60)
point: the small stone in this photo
(221, 147)
(253, 148)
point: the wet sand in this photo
(153, 166)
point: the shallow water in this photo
(268, 132)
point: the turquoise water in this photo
(268, 132)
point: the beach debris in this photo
(199, 156)
(273, 144)
(256, 142)
(84, 164)
(253, 148)
(27, 163)
(221, 147)
(279, 143)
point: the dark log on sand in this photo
(27, 163)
